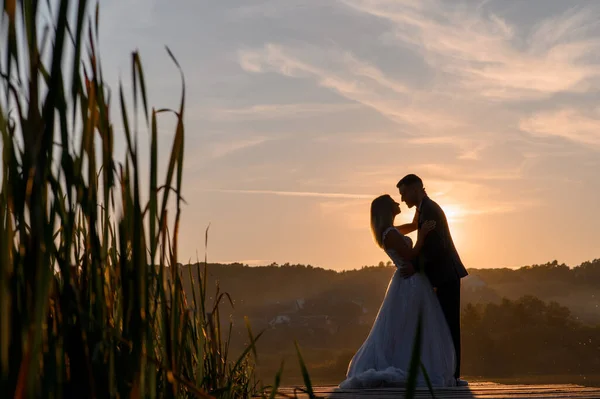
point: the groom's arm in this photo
(433, 247)
(409, 227)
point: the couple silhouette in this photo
(426, 285)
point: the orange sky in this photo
(300, 112)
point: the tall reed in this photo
(91, 297)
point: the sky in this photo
(299, 113)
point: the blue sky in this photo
(300, 112)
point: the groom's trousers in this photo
(449, 296)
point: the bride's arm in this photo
(409, 227)
(396, 242)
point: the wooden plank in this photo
(486, 390)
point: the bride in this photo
(384, 357)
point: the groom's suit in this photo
(442, 266)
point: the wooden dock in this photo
(487, 390)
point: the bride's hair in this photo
(382, 217)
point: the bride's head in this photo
(383, 211)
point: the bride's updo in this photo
(382, 216)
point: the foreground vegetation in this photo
(91, 300)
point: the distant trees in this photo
(514, 338)
(527, 336)
(587, 273)
(530, 333)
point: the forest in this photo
(537, 323)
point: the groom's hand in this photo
(408, 270)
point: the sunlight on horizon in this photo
(455, 215)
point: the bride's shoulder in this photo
(394, 232)
(393, 235)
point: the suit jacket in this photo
(438, 257)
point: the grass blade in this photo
(277, 382)
(415, 361)
(305, 374)
(427, 380)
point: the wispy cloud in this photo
(277, 58)
(571, 124)
(490, 56)
(350, 77)
(458, 213)
(278, 111)
(454, 172)
(471, 147)
(270, 9)
(222, 148)
(355, 214)
(349, 214)
(293, 193)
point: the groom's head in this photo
(411, 190)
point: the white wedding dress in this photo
(383, 359)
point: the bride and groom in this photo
(426, 281)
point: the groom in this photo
(438, 257)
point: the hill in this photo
(262, 292)
(540, 322)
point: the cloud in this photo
(277, 58)
(351, 214)
(484, 173)
(484, 186)
(222, 148)
(351, 78)
(354, 214)
(473, 154)
(278, 111)
(571, 124)
(294, 193)
(470, 51)
(470, 148)
(250, 62)
(459, 213)
(489, 56)
(270, 9)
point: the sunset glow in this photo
(299, 113)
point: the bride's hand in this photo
(407, 270)
(427, 227)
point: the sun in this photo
(455, 214)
